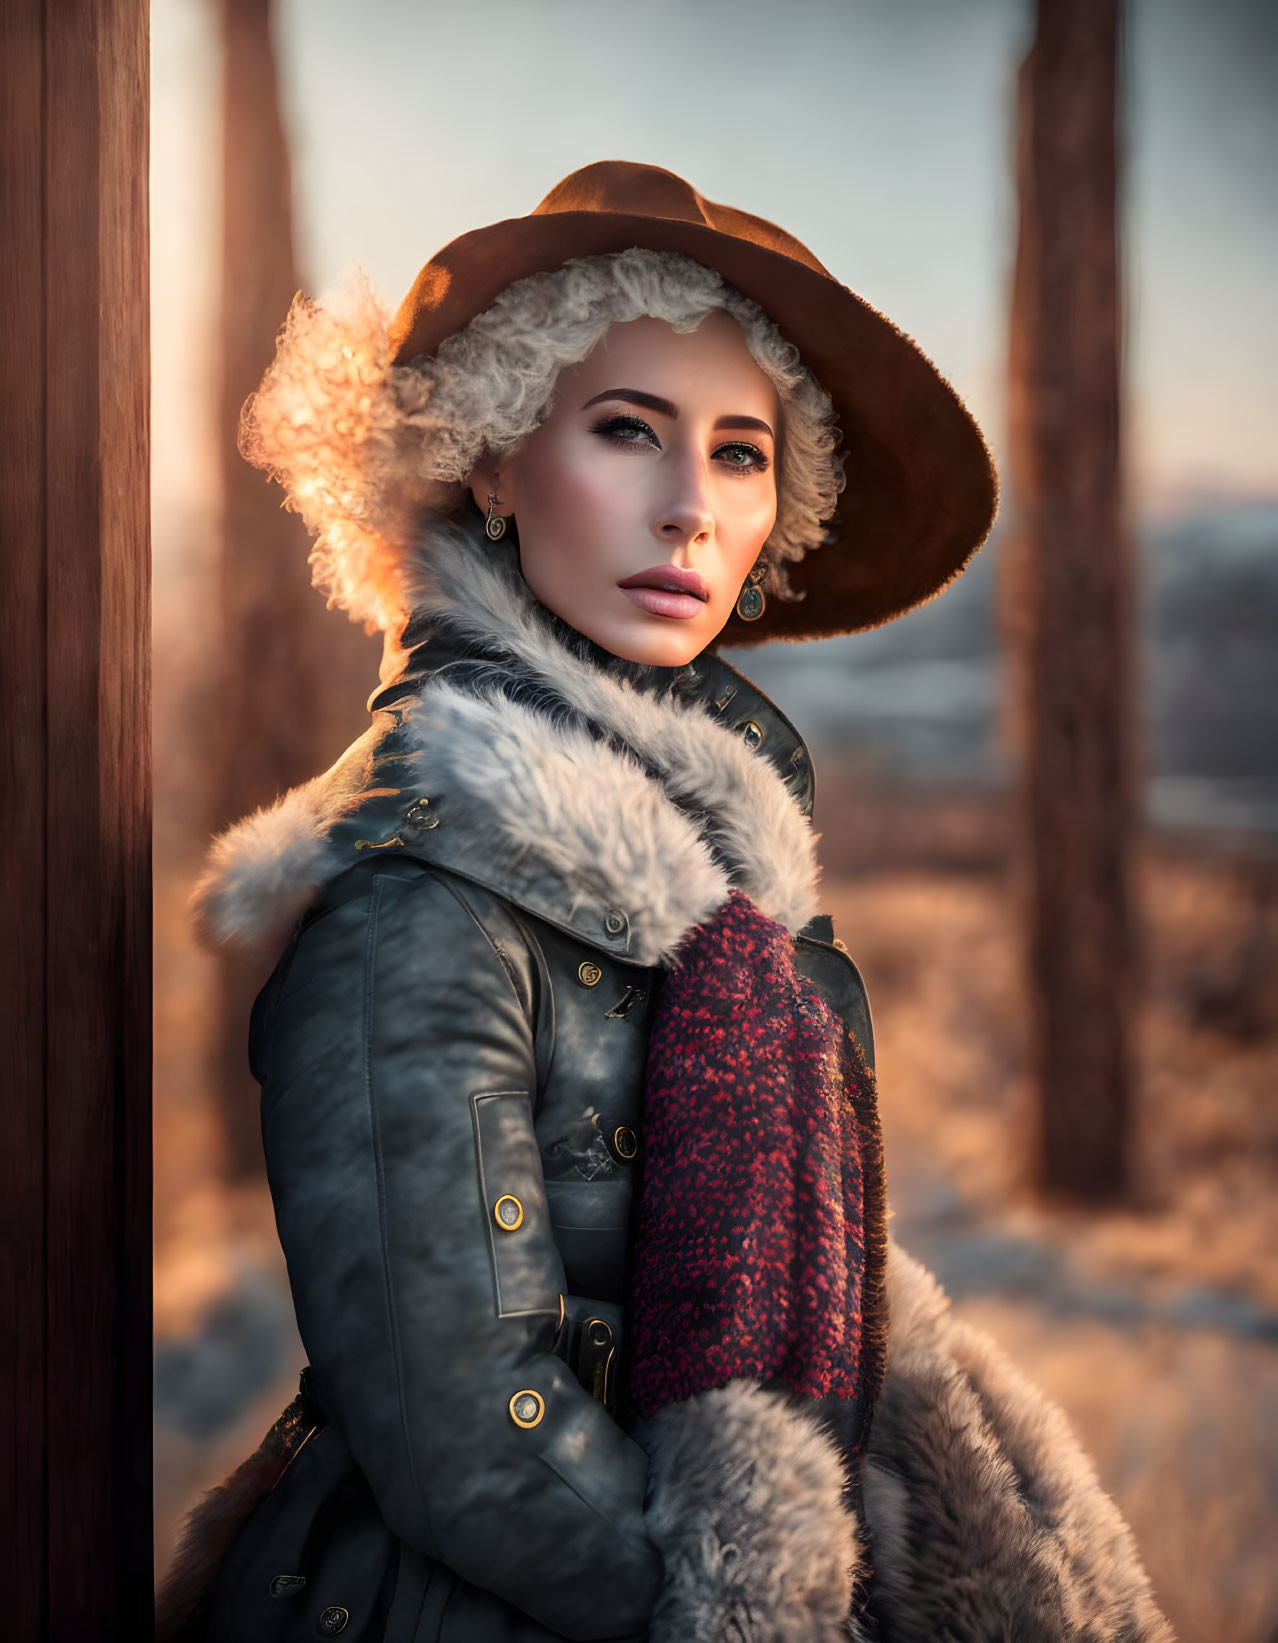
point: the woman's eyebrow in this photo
(636, 396)
(665, 407)
(745, 422)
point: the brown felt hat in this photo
(921, 490)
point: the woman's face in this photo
(658, 456)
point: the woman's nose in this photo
(686, 515)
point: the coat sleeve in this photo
(396, 1056)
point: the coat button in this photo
(614, 922)
(332, 1621)
(527, 1408)
(422, 813)
(599, 1332)
(508, 1213)
(588, 974)
(625, 1142)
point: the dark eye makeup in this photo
(632, 431)
(753, 461)
(626, 430)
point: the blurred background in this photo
(294, 140)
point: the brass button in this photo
(751, 733)
(508, 1213)
(588, 974)
(625, 1142)
(422, 813)
(614, 922)
(332, 1621)
(599, 1332)
(527, 1408)
(286, 1585)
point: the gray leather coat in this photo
(484, 895)
(451, 1117)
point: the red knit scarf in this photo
(760, 1145)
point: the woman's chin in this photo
(647, 639)
(668, 647)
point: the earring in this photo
(752, 599)
(494, 525)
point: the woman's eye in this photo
(627, 430)
(748, 458)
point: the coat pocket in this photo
(528, 1274)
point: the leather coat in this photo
(484, 895)
(428, 1047)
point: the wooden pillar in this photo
(75, 893)
(1069, 596)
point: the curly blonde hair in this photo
(367, 450)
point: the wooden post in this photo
(75, 906)
(1068, 593)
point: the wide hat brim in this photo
(921, 491)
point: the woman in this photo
(567, 1103)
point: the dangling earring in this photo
(752, 599)
(494, 525)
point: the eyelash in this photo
(611, 430)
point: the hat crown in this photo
(626, 188)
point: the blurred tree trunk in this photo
(1067, 600)
(295, 676)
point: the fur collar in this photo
(621, 810)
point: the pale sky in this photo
(878, 131)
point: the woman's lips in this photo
(662, 602)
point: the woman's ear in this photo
(489, 479)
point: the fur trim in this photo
(985, 1518)
(540, 810)
(746, 1505)
(703, 766)
(568, 815)
(260, 873)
